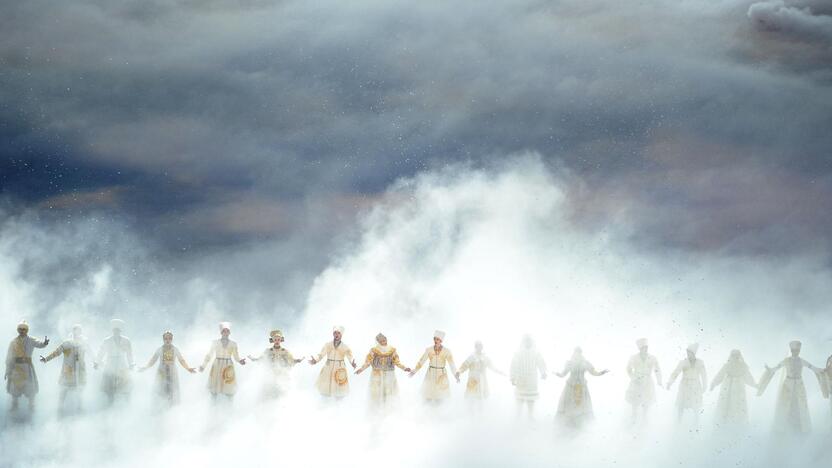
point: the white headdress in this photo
(338, 328)
(439, 334)
(693, 347)
(795, 345)
(225, 326)
(117, 324)
(641, 342)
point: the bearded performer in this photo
(20, 376)
(333, 380)
(436, 387)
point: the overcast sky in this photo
(214, 122)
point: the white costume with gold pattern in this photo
(74, 368)
(477, 365)
(20, 374)
(333, 381)
(575, 405)
(436, 386)
(167, 377)
(384, 388)
(278, 363)
(222, 378)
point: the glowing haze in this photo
(589, 172)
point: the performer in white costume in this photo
(436, 386)
(222, 378)
(641, 393)
(732, 405)
(74, 368)
(792, 411)
(20, 376)
(278, 361)
(575, 405)
(333, 380)
(384, 390)
(825, 377)
(167, 378)
(693, 384)
(526, 365)
(116, 355)
(477, 364)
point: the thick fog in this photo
(485, 254)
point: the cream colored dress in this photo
(384, 388)
(222, 378)
(436, 386)
(642, 389)
(477, 366)
(116, 357)
(333, 381)
(167, 376)
(74, 368)
(526, 366)
(732, 404)
(693, 383)
(20, 374)
(575, 404)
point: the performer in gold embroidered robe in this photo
(693, 384)
(278, 362)
(792, 411)
(641, 393)
(575, 405)
(384, 389)
(222, 379)
(20, 376)
(116, 355)
(477, 365)
(167, 378)
(436, 386)
(74, 369)
(333, 380)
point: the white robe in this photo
(575, 404)
(74, 367)
(223, 377)
(477, 366)
(116, 356)
(693, 384)
(732, 405)
(278, 363)
(526, 366)
(642, 389)
(167, 377)
(333, 381)
(436, 386)
(384, 388)
(21, 378)
(791, 413)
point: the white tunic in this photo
(74, 368)
(477, 366)
(384, 389)
(642, 389)
(693, 384)
(167, 378)
(333, 381)
(526, 365)
(436, 386)
(116, 355)
(732, 406)
(222, 378)
(20, 374)
(792, 411)
(278, 363)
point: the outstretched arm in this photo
(398, 363)
(152, 360)
(420, 363)
(182, 361)
(658, 372)
(53, 354)
(207, 358)
(367, 361)
(673, 376)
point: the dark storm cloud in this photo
(213, 108)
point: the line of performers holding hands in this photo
(115, 358)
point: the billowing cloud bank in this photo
(484, 254)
